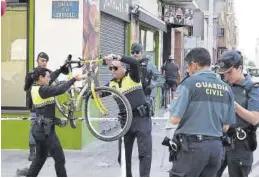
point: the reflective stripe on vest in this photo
(127, 85)
(37, 100)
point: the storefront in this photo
(14, 55)
(179, 22)
(115, 19)
(149, 28)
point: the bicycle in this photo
(95, 98)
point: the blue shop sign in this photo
(65, 9)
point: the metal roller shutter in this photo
(112, 42)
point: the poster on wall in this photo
(91, 32)
(178, 15)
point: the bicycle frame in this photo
(90, 84)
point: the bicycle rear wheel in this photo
(63, 105)
(115, 122)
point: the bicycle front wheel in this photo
(108, 117)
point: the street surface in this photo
(99, 159)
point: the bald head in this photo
(117, 63)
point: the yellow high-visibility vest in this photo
(37, 100)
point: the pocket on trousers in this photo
(38, 132)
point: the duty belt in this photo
(199, 138)
(142, 110)
(46, 123)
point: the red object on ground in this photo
(3, 7)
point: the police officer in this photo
(43, 129)
(150, 76)
(42, 60)
(129, 83)
(239, 154)
(201, 106)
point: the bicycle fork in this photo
(72, 109)
(97, 101)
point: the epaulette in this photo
(256, 85)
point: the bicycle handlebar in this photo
(84, 61)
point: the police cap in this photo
(136, 47)
(229, 59)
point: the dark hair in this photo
(40, 71)
(200, 56)
(241, 62)
(28, 81)
(43, 55)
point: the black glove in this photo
(64, 70)
(149, 89)
(59, 122)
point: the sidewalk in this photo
(100, 159)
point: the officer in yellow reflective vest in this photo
(43, 129)
(129, 83)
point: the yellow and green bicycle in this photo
(107, 112)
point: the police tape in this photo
(15, 118)
(29, 118)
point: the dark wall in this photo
(167, 44)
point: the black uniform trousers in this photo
(198, 159)
(239, 160)
(141, 129)
(49, 144)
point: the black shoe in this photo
(22, 172)
(32, 153)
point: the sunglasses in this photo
(113, 68)
(133, 52)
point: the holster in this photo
(227, 141)
(144, 110)
(45, 123)
(173, 147)
(251, 137)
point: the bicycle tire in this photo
(127, 106)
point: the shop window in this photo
(221, 32)
(14, 56)
(147, 39)
(150, 41)
(190, 31)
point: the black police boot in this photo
(32, 153)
